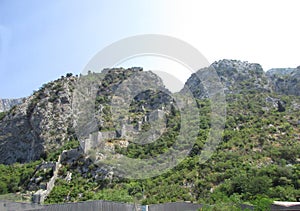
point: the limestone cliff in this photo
(43, 123)
(40, 124)
(6, 104)
(285, 80)
(244, 77)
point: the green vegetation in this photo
(257, 162)
(14, 178)
(2, 115)
(53, 155)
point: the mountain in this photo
(285, 81)
(6, 104)
(45, 153)
(244, 77)
(41, 123)
(238, 76)
(280, 71)
(235, 76)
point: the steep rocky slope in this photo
(259, 155)
(244, 77)
(280, 71)
(6, 104)
(40, 124)
(236, 77)
(44, 120)
(285, 81)
(43, 123)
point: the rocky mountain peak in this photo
(44, 121)
(236, 77)
(285, 80)
(232, 66)
(280, 71)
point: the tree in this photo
(69, 75)
(262, 203)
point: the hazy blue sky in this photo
(42, 40)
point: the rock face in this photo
(126, 102)
(6, 104)
(243, 77)
(40, 124)
(285, 81)
(239, 76)
(279, 71)
(44, 121)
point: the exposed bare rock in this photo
(40, 124)
(7, 104)
(43, 123)
(236, 77)
(285, 80)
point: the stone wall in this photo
(40, 196)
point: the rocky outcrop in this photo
(44, 121)
(236, 77)
(279, 71)
(7, 104)
(40, 124)
(243, 77)
(285, 80)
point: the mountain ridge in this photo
(55, 97)
(260, 138)
(7, 104)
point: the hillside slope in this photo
(259, 156)
(41, 123)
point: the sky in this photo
(43, 40)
